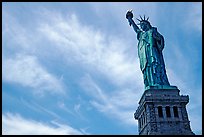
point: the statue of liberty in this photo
(150, 46)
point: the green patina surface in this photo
(150, 46)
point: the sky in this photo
(73, 68)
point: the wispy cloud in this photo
(92, 49)
(67, 40)
(63, 106)
(50, 112)
(78, 43)
(17, 38)
(14, 124)
(74, 110)
(27, 71)
(118, 104)
(88, 47)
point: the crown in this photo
(142, 20)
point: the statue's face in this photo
(144, 26)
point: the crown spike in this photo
(144, 17)
(138, 19)
(141, 18)
(147, 18)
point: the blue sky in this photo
(72, 68)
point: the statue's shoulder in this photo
(154, 29)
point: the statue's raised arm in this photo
(129, 16)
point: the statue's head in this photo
(144, 24)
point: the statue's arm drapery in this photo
(135, 27)
(159, 39)
(129, 16)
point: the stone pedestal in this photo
(162, 111)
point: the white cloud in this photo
(87, 46)
(17, 37)
(77, 43)
(119, 104)
(101, 53)
(27, 71)
(92, 49)
(63, 106)
(14, 124)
